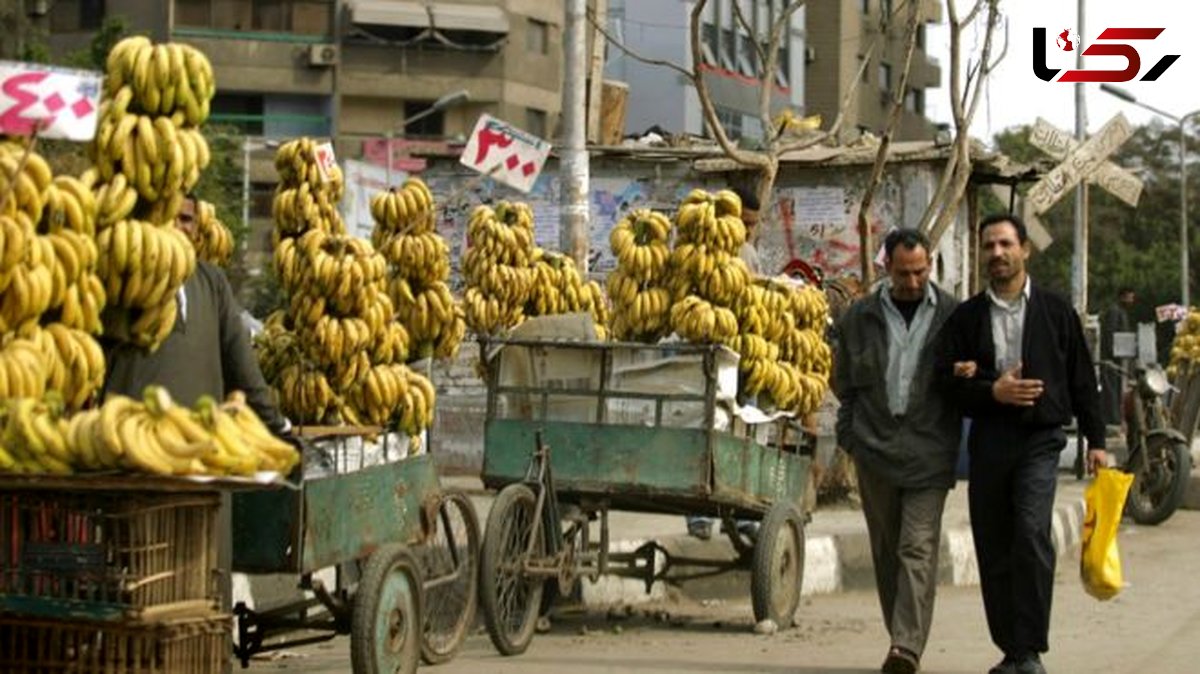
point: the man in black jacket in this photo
(1032, 372)
(903, 435)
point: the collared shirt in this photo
(1008, 326)
(905, 341)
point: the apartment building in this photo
(840, 35)
(659, 96)
(355, 68)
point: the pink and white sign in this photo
(326, 161)
(505, 153)
(55, 102)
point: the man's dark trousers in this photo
(1011, 493)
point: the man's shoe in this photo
(900, 661)
(1030, 665)
(701, 529)
(1005, 666)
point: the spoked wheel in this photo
(1160, 480)
(778, 566)
(450, 567)
(385, 627)
(509, 598)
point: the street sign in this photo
(1079, 164)
(56, 102)
(505, 153)
(1038, 234)
(1108, 176)
(326, 161)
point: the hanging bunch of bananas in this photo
(408, 210)
(498, 266)
(307, 196)
(706, 273)
(26, 185)
(1185, 349)
(74, 362)
(783, 353)
(638, 286)
(558, 288)
(23, 368)
(211, 238)
(155, 99)
(69, 223)
(143, 266)
(305, 395)
(33, 285)
(394, 394)
(419, 268)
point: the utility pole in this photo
(573, 158)
(596, 73)
(1079, 261)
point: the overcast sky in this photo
(1016, 96)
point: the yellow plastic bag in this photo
(1100, 564)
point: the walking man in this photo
(903, 435)
(1032, 373)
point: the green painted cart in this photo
(405, 554)
(626, 435)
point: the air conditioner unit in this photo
(322, 55)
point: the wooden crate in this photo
(42, 646)
(108, 555)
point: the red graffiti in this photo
(488, 138)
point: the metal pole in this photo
(1184, 274)
(246, 182)
(573, 232)
(1079, 261)
(390, 134)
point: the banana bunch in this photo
(143, 265)
(419, 259)
(33, 437)
(305, 395)
(33, 285)
(408, 210)
(811, 308)
(159, 158)
(641, 244)
(173, 80)
(394, 393)
(298, 209)
(27, 185)
(276, 346)
(559, 289)
(79, 294)
(698, 320)
(714, 220)
(16, 233)
(241, 437)
(498, 266)
(211, 238)
(296, 163)
(391, 345)
(71, 206)
(23, 369)
(344, 269)
(763, 312)
(1185, 349)
(711, 273)
(115, 199)
(74, 362)
(434, 322)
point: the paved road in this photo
(1153, 626)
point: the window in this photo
(537, 36)
(535, 122)
(914, 102)
(782, 66)
(921, 36)
(885, 76)
(709, 45)
(432, 125)
(91, 14)
(306, 17)
(731, 120)
(728, 51)
(866, 6)
(885, 7)
(748, 57)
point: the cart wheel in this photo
(510, 600)
(778, 566)
(385, 628)
(450, 567)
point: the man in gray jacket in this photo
(902, 435)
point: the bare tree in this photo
(964, 101)
(775, 142)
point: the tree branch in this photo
(591, 15)
(741, 19)
(710, 112)
(973, 13)
(770, 63)
(837, 123)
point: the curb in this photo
(832, 563)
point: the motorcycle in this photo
(1158, 455)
